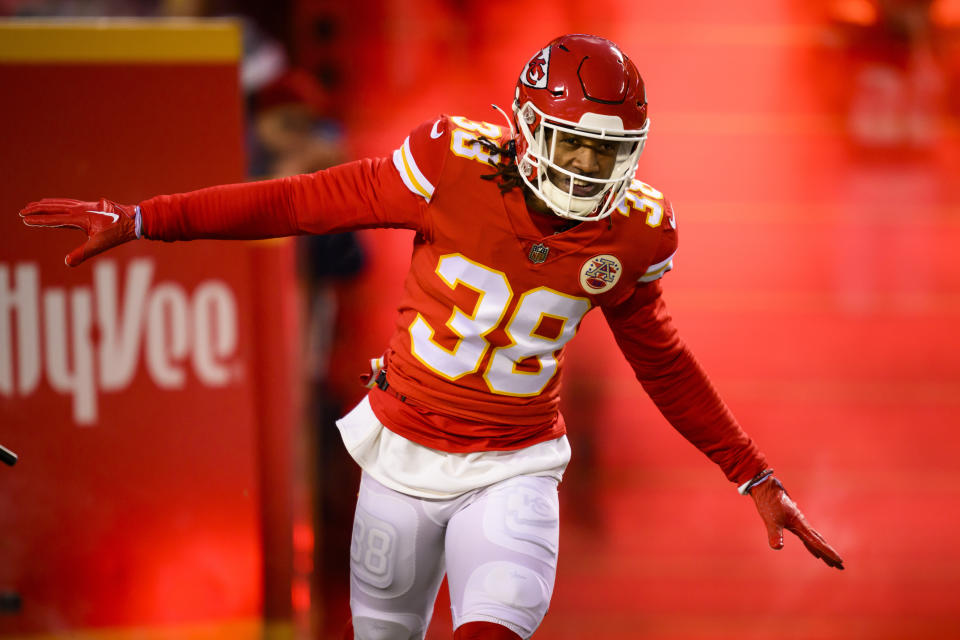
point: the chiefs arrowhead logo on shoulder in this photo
(536, 74)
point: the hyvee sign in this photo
(88, 339)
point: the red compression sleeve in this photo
(678, 385)
(363, 194)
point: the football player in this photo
(520, 231)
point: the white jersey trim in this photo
(410, 173)
(415, 470)
(656, 271)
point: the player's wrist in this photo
(763, 476)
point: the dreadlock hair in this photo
(506, 173)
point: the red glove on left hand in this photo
(779, 512)
(107, 224)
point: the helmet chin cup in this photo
(567, 205)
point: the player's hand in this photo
(779, 512)
(107, 224)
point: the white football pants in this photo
(498, 546)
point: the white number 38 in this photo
(543, 321)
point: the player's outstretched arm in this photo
(779, 512)
(107, 224)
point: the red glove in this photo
(107, 224)
(779, 512)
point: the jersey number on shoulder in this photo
(463, 140)
(645, 199)
(543, 321)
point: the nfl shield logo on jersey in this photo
(600, 273)
(538, 253)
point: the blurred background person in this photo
(291, 132)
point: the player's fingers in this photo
(816, 545)
(774, 535)
(49, 205)
(827, 554)
(78, 255)
(63, 202)
(53, 220)
(95, 245)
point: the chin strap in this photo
(513, 132)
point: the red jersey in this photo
(489, 301)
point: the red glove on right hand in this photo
(107, 224)
(779, 512)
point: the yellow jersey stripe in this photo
(410, 173)
(119, 40)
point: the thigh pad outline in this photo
(526, 520)
(383, 546)
(508, 593)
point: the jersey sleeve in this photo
(419, 160)
(663, 258)
(370, 193)
(678, 385)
